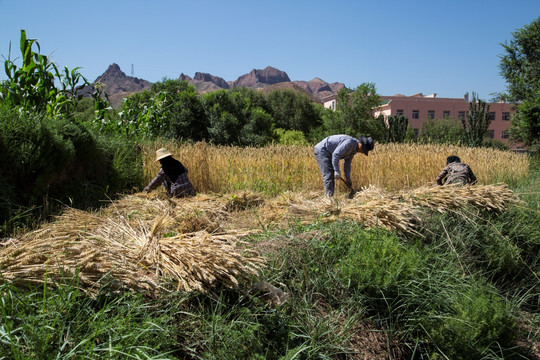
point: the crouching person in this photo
(173, 175)
(456, 172)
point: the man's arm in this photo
(441, 176)
(347, 167)
(345, 150)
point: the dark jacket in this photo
(456, 173)
(173, 176)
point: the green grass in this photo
(60, 322)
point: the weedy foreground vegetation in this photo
(463, 284)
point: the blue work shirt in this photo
(339, 147)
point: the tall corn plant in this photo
(475, 128)
(32, 85)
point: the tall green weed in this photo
(61, 322)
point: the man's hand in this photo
(337, 175)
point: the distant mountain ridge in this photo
(119, 85)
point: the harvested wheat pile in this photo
(373, 212)
(129, 245)
(495, 197)
(401, 212)
(143, 242)
(201, 212)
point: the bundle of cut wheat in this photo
(495, 197)
(377, 212)
(401, 212)
(201, 212)
(127, 253)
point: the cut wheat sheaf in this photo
(149, 243)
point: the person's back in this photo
(456, 172)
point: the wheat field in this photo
(147, 242)
(277, 168)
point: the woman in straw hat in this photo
(173, 176)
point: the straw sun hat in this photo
(162, 153)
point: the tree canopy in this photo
(520, 66)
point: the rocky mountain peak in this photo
(118, 85)
(183, 77)
(261, 78)
(112, 72)
(205, 77)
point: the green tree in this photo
(441, 131)
(525, 125)
(357, 111)
(520, 66)
(224, 126)
(237, 117)
(397, 128)
(170, 108)
(477, 122)
(293, 111)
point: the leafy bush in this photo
(290, 137)
(495, 144)
(170, 109)
(293, 111)
(397, 128)
(237, 117)
(44, 158)
(441, 131)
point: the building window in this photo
(491, 116)
(399, 112)
(431, 114)
(446, 114)
(505, 134)
(491, 134)
(506, 116)
(415, 132)
(416, 114)
(461, 115)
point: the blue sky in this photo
(406, 47)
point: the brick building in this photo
(419, 108)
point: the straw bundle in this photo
(495, 197)
(201, 212)
(383, 212)
(142, 242)
(124, 248)
(400, 212)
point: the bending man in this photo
(334, 148)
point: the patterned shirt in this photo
(180, 188)
(456, 173)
